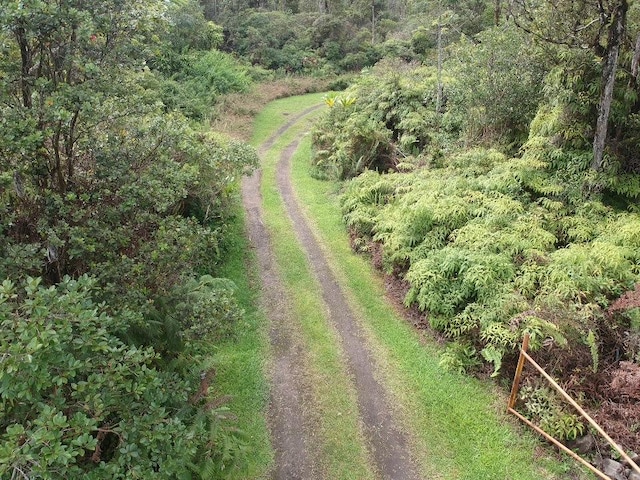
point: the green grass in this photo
(277, 113)
(339, 436)
(240, 362)
(458, 421)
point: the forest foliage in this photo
(472, 175)
(114, 202)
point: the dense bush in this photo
(382, 122)
(404, 114)
(77, 402)
(498, 76)
(197, 79)
(113, 212)
(486, 262)
(306, 42)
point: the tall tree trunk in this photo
(373, 22)
(610, 66)
(26, 64)
(439, 93)
(497, 12)
(635, 63)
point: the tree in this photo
(69, 55)
(595, 24)
(497, 87)
(117, 204)
(86, 144)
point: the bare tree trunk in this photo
(497, 12)
(26, 64)
(373, 22)
(610, 65)
(439, 93)
(635, 63)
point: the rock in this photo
(634, 476)
(633, 456)
(613, 469)
(583, 444)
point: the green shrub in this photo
(77, 402)
(198, 79)
(488, 264)
(544, 408)
(498, 85)
(450, 278)
(392, 118)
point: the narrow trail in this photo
(290, 420)
(388, 444)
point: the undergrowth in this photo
(488, 261)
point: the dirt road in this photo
(292, 417)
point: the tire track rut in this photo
(289, 418)
(389, 445)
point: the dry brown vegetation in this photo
(235, 112)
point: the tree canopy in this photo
(114, 198)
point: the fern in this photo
(592, 343)
(493, 355)
(460, 358)
(492, 247)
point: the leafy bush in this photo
(195, 80)
(488, 264)
(392, 118)
(543, 407)
(498, 85)
(77, 402)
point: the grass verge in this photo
(456, 419)
(339, 435)
(240, 362)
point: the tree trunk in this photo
(373, 23)
(610, 65)
(497, 12)
(635, 63)
(26, 64)
(439, 93)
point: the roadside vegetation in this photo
(116, 204)
(480, 185)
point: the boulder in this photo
(583, 444)
(634, 476)
(613, 469)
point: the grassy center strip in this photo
(457, 420)
(339, 435)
